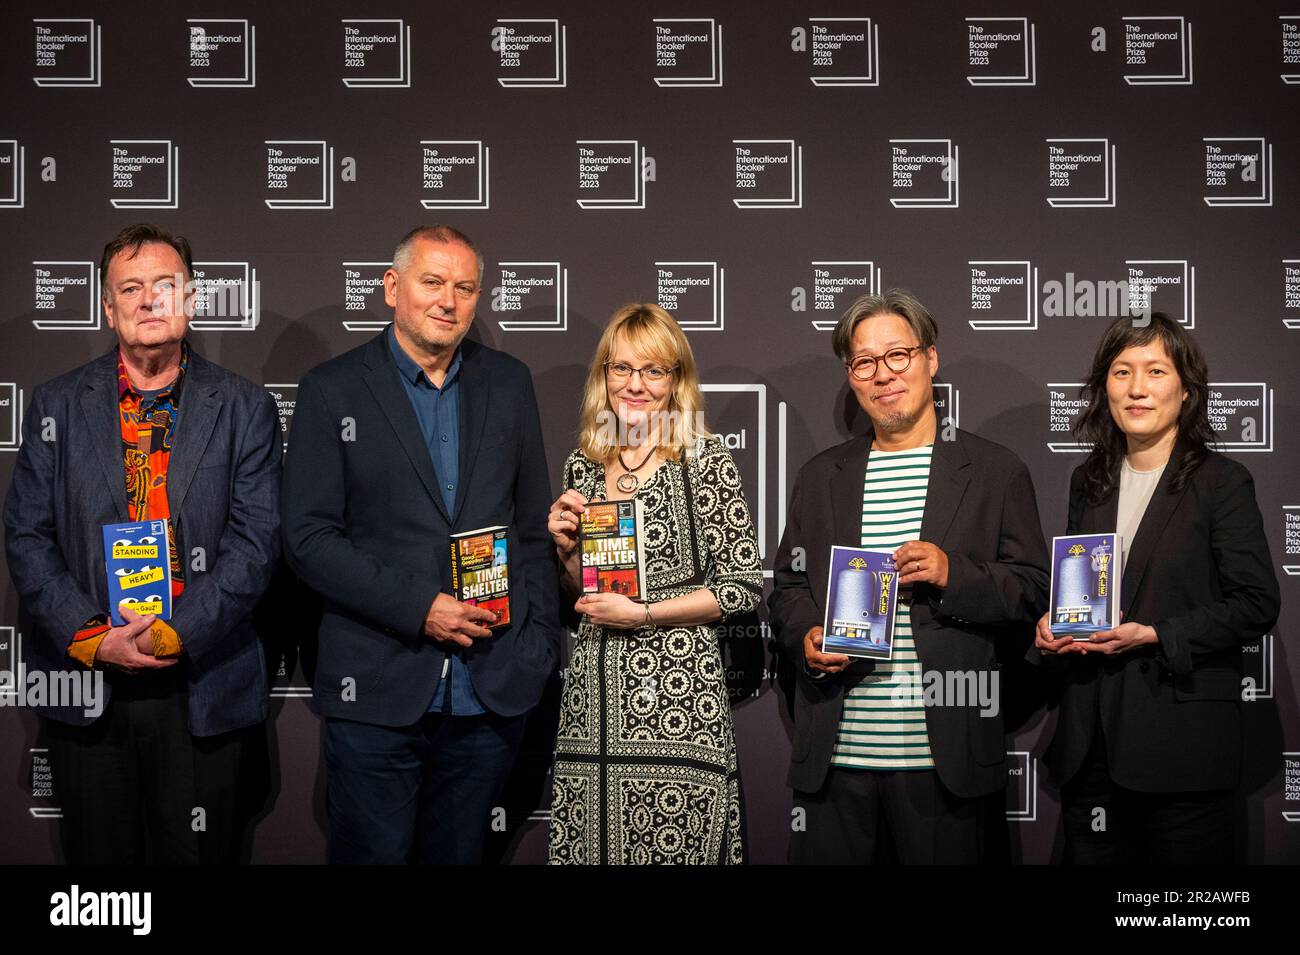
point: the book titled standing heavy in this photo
(1086, 574)
(612, 547)
(139, 569)
(480, 571)
(861, 598)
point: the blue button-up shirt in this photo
(438, 411)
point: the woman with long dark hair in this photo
(1147, 750)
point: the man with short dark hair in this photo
(915, 742)
(417, 435)
(151, 431)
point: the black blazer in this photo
(980, 509)
(365, 525)
(223, 493)
(1198, 571)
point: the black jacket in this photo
(980, 510)
(1199, 572)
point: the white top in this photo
(1135, 490)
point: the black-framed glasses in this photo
(897, 360)
(621, 371)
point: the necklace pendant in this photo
(627, 483)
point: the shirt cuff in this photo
(86, 641)
(166, 641)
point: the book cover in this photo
(861, 600)
(613, 549)
(480, 571)
(1086, 574)
(139, 569)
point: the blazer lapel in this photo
(200, 407)
(99, 404)
(472, 412)
(846, 492)
(1159, 510)
(383, 381)
(948, 481)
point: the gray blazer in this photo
(222, 488)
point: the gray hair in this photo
(434, 233)
(896, 301)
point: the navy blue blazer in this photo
(981, 510)
(1198, 570)
(366, 527)
(222, 480)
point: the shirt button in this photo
(444, 437)
(451, 487)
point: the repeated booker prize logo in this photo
(223, 53)
(454, 174)
(299, 174)
(534, 296)
(1238, 171)
(1290, 49)
(285, 397)
(66, 295)
(1291, 786)
(845, 51)
(1291, 292)
(68, 52)
(688, 52)
(693, 293)
(227, 297)
(1001, 51)
(769, 174)
(376, 54)
(11, 419)
(1291, 539)
(1022, 786)
(612, 174)
(363, 296)
(1157, 50)
(923, 174)
(145, 174)
(1080, 172)
(835, 283)
(531, 53)
(13, 174)
(738, 416)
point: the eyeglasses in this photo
(621, 371)
(896, 360)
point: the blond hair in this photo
(653, 334)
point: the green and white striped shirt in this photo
(883, 723)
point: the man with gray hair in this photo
(914, 742)
(418, 435)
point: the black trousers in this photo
(857, 816)
(136, 787)
(1106, 824)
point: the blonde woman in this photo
(645, 769)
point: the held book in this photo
(861, 600)
(480, 571)
(613, 548)
(139, 569)
(1086, 574)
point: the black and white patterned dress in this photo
(645, 767)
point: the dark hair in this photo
(143, 233)
(1098, 428)
(896, 301)
(443, 234)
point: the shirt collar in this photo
(411, 371)
(124, 386)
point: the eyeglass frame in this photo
(877, 359)
(609, 372)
